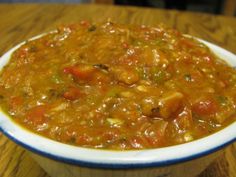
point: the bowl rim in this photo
(97, 158)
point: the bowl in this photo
(62, 160)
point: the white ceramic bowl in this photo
(62, 160)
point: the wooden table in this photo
(19, 22)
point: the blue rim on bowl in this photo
(117, 165)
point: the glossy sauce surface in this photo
(119, 87)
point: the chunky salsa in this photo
(117, 86)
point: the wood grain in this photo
(229, 7)
(22, 21)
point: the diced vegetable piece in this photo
(100, 77)
(142, 88)
(150, 106)
(155, 134)
(127, 94)
(89, 73)
(154, 57)
(73, 94)
(184, 119)
(59, 107)
(188, 137)
(37, 115)
(83, 72)
(115, 122)
(126, 75)
(205, 107)
(170, 103)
